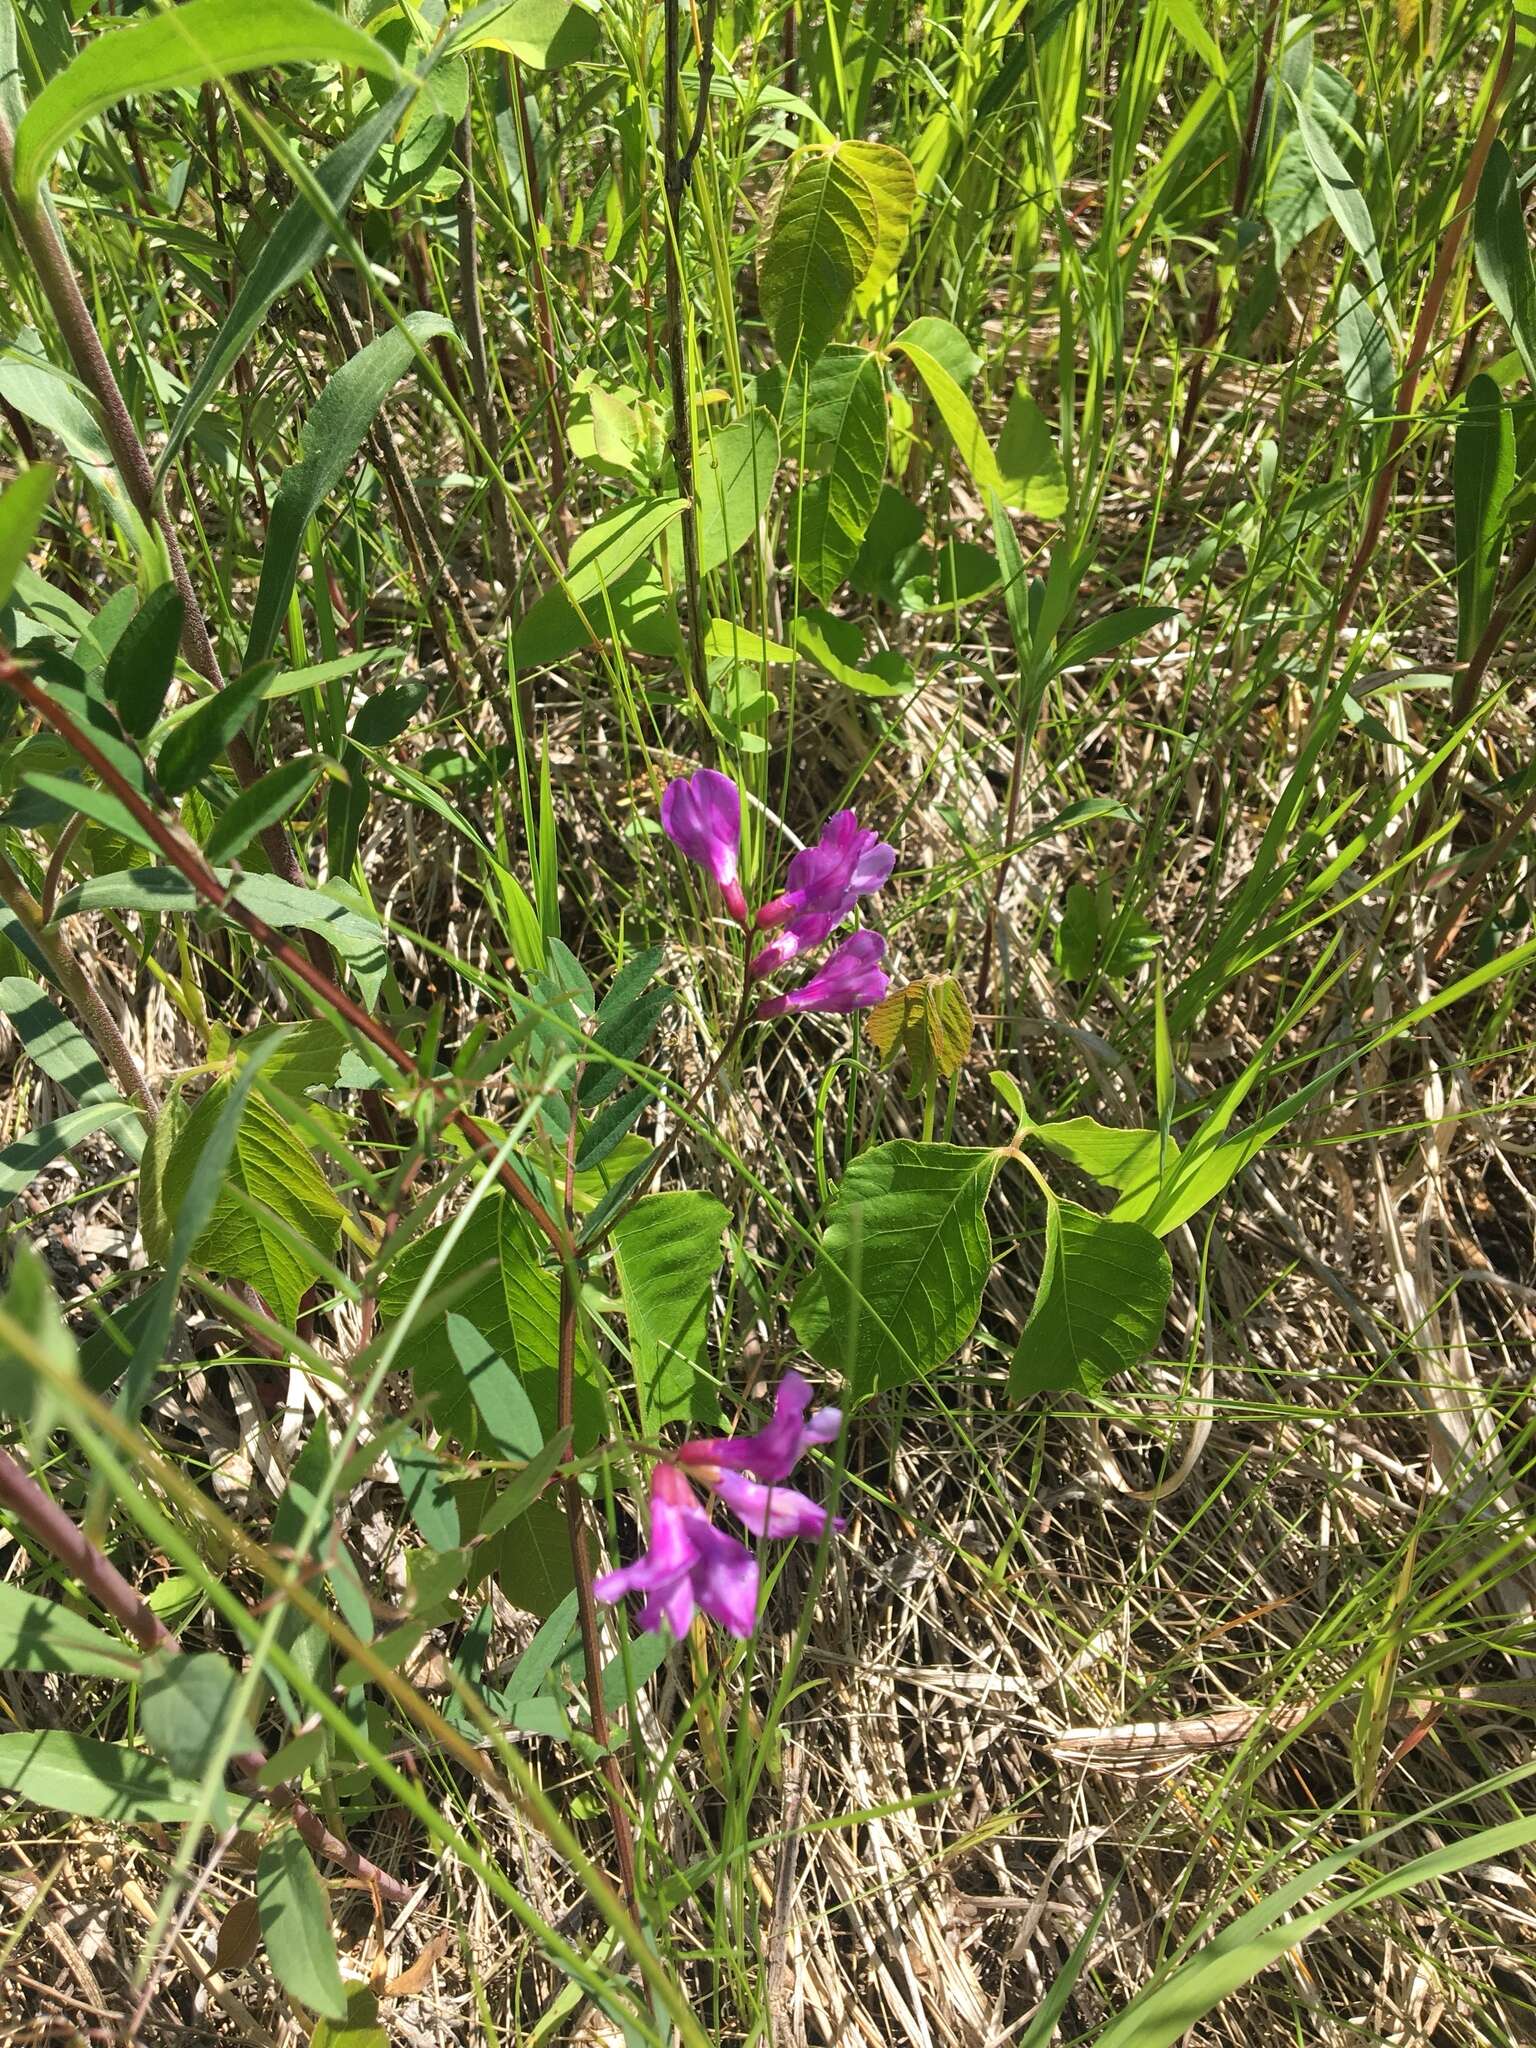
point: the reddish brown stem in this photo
(1429, 313)
(190, 864)
(50, 261)
(53, 1529)
(1212, 315)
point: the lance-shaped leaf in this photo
(1504, 254)
(331, 436)
(1483, 474)
(182, 46)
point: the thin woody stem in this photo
(188, 861)
(50, 261)
(54, 1530)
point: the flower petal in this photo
(773, 1510)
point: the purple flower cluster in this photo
(701, 815)
(690, 1566)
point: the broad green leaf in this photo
(947, 345)
(959, 416)
(296, 1925)
(192, 746)
(836, 646)
(269, 800)
(1100, 1307)
(733, 485)
(1029, 460)
(530, 1559)
(1109, 634)
(97, 1780)
(92, 802)
(360, 2028)
(896, 1287)
(273, 1166)
(29, 1303)
(40, 1634)
(25, 1157)
(284, 905)
(185, 1709)
(45, 395)
(1483, 475)
(543, 34)
(53, 1043)
(1365, 357)
(140, 666)
(819, 245)
(821, 551)
(852, 451)
(891, 184)
(573, 613)
(724, 640)
(667, 1251)
(183, 46)
(1504, 254)
(509, 1427)
(1345, 201)
(337, 425)
(497, 1282)
(300, 239)
(23, 503)
(1130, 1161)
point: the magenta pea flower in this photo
(850, 978)
(690, 1566)
(701, 815)
(802, 934)
(773, 1451)
(827, 879)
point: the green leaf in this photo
(1029, 460)
(1109, 634)
(1077, 936)
(186, 45)
(25, 1157)
(1130, 1161)
(947, 345)
(295, 1915)
(273, 1166)
(284, 905)
(667, 1251)
(338, 422)
(140, 666)
(820, 243)
(530, 1559)
(959, 416)
(496, 1281)
(896, 1287)
(1365, 357)
(22, 505)
(53, 1043)
(836, 646)
(1503, 253)
(1345, 201)
(891, 183)
(821, 551)
(1483, 475)
(428, 1499)
(40, 392)
(301, 238)
(851, 446)
(510, 1427)
(192, 747)
(1100, 1307)
(39, 1634)
(543, 34)
(268, 801)
(186, 1704)
(625, 1019)
(97, 1780)
(931, 1021)
(733, 485)
(360, 2028)
(97, 804)
(572, 614)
